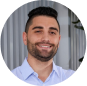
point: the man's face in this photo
(43, 38)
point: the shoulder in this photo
(17, 72)
(67, 73)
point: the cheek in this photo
(55, 40)
(33, 38)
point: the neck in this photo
(43, 69)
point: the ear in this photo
(59, 37)
(59, 40)
(24, 35)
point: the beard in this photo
(42, 55)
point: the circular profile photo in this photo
(43, 43)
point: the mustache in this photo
(44, 43)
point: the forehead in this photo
(44, 21)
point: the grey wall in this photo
(62, 57)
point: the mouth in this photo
(44, 46)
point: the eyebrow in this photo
(40, 27)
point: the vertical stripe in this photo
(15, 39)
(5, 43)
(10, 42)
(71, 41)
(78, 48)
(20, 32)
(25, 20)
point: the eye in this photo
(52, 32)
(37, 31)
(40, 31)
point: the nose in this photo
(45, 37)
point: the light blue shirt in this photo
(27, 74)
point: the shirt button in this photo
(35, 74)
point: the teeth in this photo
(45, 46)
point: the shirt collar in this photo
(26, 69)
(55, 68)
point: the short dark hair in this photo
(47, 11)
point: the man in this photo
(42, 37)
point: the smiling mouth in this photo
(44, 47)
